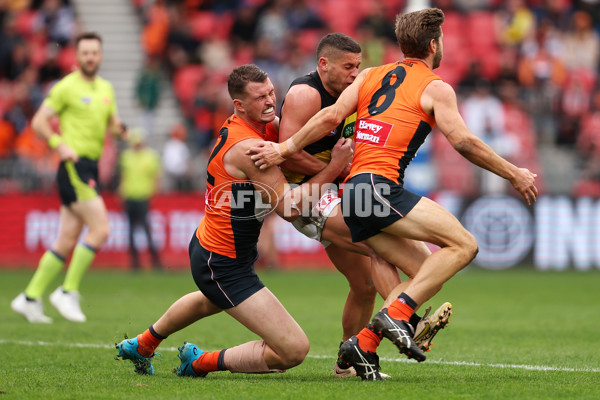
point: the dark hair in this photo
(336, 41)
(415, 30)
(241, 76)
(86, 36)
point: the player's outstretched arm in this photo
(288, 202)
(267, 154)
(440, 99)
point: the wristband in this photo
(54, 141)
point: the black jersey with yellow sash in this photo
(321, 149)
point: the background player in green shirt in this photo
(140, 172)
(86, 108)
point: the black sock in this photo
(155, 334)
(406, 299)
(414, 320)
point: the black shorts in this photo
(225, 281)
(77, 181)
(371, 203)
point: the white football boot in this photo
(67, 304)
(33, 310)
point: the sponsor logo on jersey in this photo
(86, 99)
(373, 132)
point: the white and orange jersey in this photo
(391, 125)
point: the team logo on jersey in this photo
(349, 122)
(373, 132)
(106, 100)
(348, 130)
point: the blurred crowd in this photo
(525, 72)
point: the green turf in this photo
(514, 335)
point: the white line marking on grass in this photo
(475, 364)
(316, 356)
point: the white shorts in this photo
(312, 226)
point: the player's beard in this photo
(89, 72)
(437, 58)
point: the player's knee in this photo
(296, 352)
(361, 282)
(65, 244)
(364, 290)
(100, 234)
(469, 248)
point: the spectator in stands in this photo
(179, 36)
(244, 25)
(581, 43)
(543, 62)
(574, 105)
(468, 82)
(25, 100)
(19, 60)
(147, 92)
(373, 46)
(294, 65)
(7, 139)
(515, 21)
(215, 53)
(273, 24)
(299, 16)
(140, 173)
(588, 142)
(155, 29)
(379, 23)
(588, 152)
(554, 12)
(484, 115)
(541, 75)
(59, 20)
(203, 108)
(50, 71)
(8, 40)
(176, 160)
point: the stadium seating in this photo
(185, 83)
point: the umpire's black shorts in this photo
(77, 181)
(224, 281)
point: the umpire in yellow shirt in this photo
(140, 172)
(85, 106)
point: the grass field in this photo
(516, 334)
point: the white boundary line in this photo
(403, 360)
